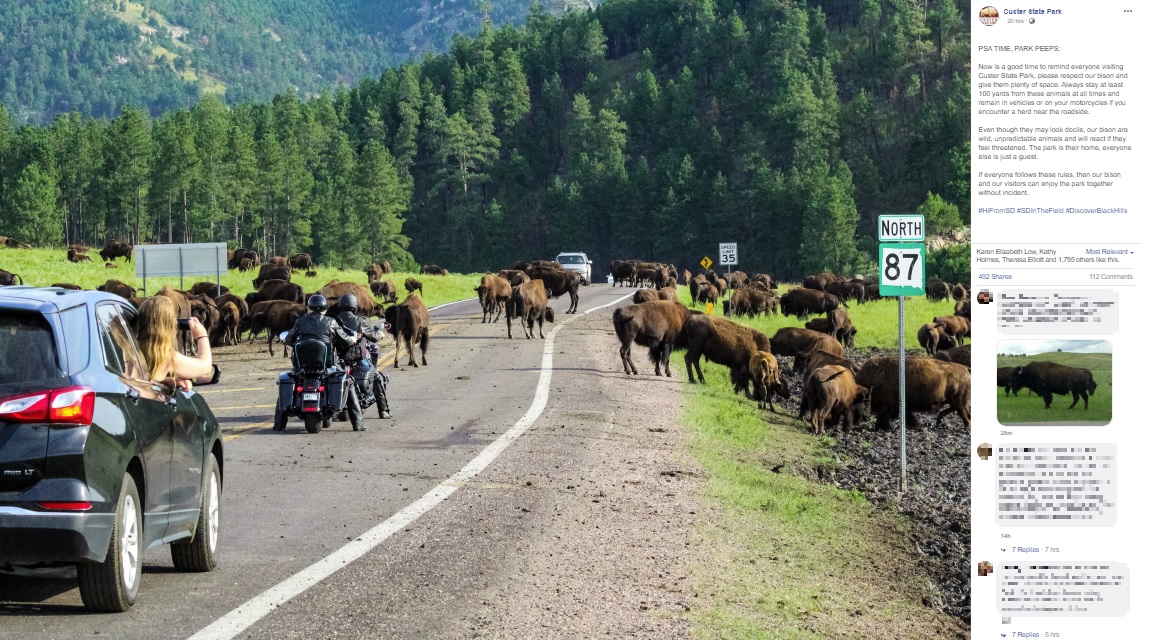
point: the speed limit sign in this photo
(902, 269)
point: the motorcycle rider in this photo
(315, 324)
(370, 382)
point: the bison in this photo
(116, 249)
(76, 256)
(374, 272)
(276, 290)
(930, 385)
(514, 276)
(668, 293)
(69, 286)
(961, 355)
(272, 272)
(208, 289)
(122, 289)
(933, 338)
(822, 343)
(7, 278)
(13, 243)
(276, 316)
(621, 272)
(656, 325)
(644, 295)
(410, 321)
(227, 332)
(956, 327)
(751, 302)
(493, 292)
(723, 342)
(237, 258)
(433, 270)
(937, 290)
(766, 379)
(801, 302)
(1049, 378)
(790, 341)
(302, 262)
(1004, 374)
(558, 282)
(833, 393)
(529, 303)
(412, 285)
(279, 261)
(384, 290)
(819, 281)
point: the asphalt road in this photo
(291, 499)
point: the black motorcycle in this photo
(369, 377)
(315, 389)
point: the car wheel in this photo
(311, 422)
(280, 422)
(199, 553)
(111, 586)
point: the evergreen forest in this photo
(650, 129)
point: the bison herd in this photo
(832, 386)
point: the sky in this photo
(1018, 347)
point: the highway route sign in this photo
(902, 269)
(706, 262)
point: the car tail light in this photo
(73, 405)
(66, 506)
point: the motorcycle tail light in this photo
(299, 389)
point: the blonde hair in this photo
(156, 327)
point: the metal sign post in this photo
(902, 272)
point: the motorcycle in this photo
(368, 377)
(315, 389)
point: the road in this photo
(418, 527)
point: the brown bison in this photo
(122, 289)
(208, 289)
(493, 292)
(302, 262)
(751, 302)
(962, 308)
(528, 302)
(1004, 374)
(1049, 378)
(737, 280)
(819, 281)
(937, 290)
(790, 341)
(766, 380)
(227, 331)
(68, 285)
(801, 302)
(409, 321)
(723, 342)
(7, 278)
(272, 272)
(832, 394)
(279, 261)
(958, 292)
(514, 276)
(933, 338)
(838, 325)
(823, 343)
(276, 316)
(236, 260)
(116, 249)
(621, 272)
(412, 285)
(276, 290)
(961, 355)
(656, 325)
(374, 272)
(930, 385)
(76, 256)
(956, 327)
(433, 270)
(240, 303)
(644, 295)
(558, 282)
(668, 293)
(13, 243)
(384, 290)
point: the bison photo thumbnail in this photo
(1066, 382)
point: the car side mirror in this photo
(283, 336)
(209, 379)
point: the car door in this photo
(149, 416)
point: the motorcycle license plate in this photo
(311, 397)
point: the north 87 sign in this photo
(902, 269)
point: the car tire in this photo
(112, 585)
(280, 422)
(311, 422)
(199, 553)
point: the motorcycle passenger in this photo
(314, 324)
(362, 355)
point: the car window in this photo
(27, 349)
(74, 340)
(120, 354)
(570, 260)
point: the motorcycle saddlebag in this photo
(335, 389)
(286, 389)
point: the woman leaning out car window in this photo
(156, 328)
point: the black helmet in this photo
(348, 302)
(316, 302)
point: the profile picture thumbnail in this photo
(988, 16)
(985, 297)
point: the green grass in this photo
(785, 555)
(876, 321)
(43, 267)
(1028, 408)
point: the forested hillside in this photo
(95, 55)
(643, 128)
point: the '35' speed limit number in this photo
(902, 269)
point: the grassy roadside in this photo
(43, 267)
(785, 556)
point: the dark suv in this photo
(97, 462)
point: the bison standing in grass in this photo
(1004, 374)
(412, 285)
(656, 325)
(930, 385)
(807, 302)
(384, 290)
(7, 278)
(116, 249)
(272, 272)
(723, 342)
(1049, 378)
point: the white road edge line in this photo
(239, 619)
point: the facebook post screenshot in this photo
(1059, 203)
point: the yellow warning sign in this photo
(706, 262)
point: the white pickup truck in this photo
(578, 263)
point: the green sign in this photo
(902, 269)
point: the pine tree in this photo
(33, 215)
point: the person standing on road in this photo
(369, 381)
(314, 324)
(157, 324)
